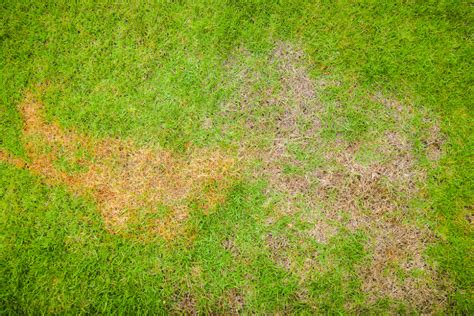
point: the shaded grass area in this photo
(158, 74)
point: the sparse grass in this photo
(296, 157)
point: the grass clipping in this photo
(140, 191)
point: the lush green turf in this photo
(156, 73)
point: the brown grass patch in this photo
(279, 246)
(7, 158)
(434, 143)
(379, 187)
(322, 231)
(289, 114)
(376, 199)
(234, 301)
(398, 269)
(131, 185)
(230, 246)
(433, 139)
(373, 196)
(186, 304)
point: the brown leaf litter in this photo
(131, 185)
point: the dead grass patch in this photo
(322, 231)
(288, 111)
(230, 246)
(234, 301)
(9, 159)
(186, 304)
(399, 271)
(129, 184)
(433, 139)
(434, 142)
(373, 196)
(279, 246)
(376, 197)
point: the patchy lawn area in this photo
(236, 157)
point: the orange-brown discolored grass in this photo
(144, 188)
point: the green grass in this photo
(156, 73)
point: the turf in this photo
(350, 123)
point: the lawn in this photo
(252, 157)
